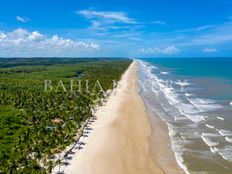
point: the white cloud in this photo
(206, 35)
(209, 50)
(171, 50)
(108, 20)
(96, 25)
(2, 36)
(107, 15)
(213, 38)
(35, 36)
(196, 29)
(168, 50)
(33, 42)
(158, 22)
(22, 19)
(114, 20)
(149, 50)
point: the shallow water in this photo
(193, 97)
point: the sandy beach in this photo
(119, 141)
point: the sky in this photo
(121, 28)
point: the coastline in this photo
(160, 142)
(119, 141)
(161, 146)
(195, 122)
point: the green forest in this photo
(36, 123)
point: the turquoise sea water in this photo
(193, 96)
(206, 72)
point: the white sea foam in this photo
(169, 94)
(184, 108)
(231, 103)
(226, 153)
(160, 80)
(223, 132)
(162, 72)
(188, 95)
(220, 118)
(191, 110)
(182, 83)
(209, 126)
(205, 101)
(180, 162)
(209, 142)
(228, 139)
(193, 118)
(187, 109)
(197, 108)
(177, 148)
(205, 104)
(171, 131)
(179, 118)
(209, 135)
(204, 118)
(214, 149)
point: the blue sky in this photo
(125, 28)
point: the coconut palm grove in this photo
(37, 123)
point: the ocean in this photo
(193, 96)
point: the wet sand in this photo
(161, 145)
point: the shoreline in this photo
(160, 141)
(119, 141)
(161, 145)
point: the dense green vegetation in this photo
(34, 123)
